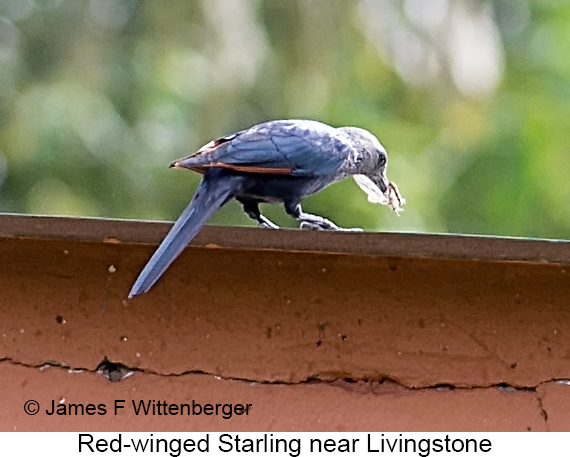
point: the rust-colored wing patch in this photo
(209, 147)
(212, 145)
(243, 168)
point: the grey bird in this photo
(280, 162)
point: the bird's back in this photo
(300, 148)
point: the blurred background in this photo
(471, 98)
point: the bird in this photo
(279, 162)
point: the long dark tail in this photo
(212, 193)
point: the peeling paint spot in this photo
(111, 240)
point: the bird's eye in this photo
(382, 160)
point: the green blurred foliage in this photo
(470, 97)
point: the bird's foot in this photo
(314, 226)
(310, 226)
(268, 225)
(318, 223)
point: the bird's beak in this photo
(381, 182)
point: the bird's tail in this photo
(212, 193)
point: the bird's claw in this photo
(319, 225)
(314, 226)
(310, 226)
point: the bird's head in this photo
(371, 158)
(371, 161)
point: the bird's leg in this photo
(252, 210)
(309, 221)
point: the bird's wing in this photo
(297, 148)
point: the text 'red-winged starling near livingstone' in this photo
(274, 162)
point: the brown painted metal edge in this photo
(441, 246)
